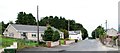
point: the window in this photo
(23, 34)
(11, 34)
(33, 35)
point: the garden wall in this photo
(69, 42)
(52, 44)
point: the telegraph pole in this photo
(106, 25)
(68, 25)
(38, 24)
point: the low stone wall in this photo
(55, 43)
(52, 44)
(69, 42)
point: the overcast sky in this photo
(90, 13)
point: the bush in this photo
(56, 36)
(62, 42)
(50, 35)
(7, 42)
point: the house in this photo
(26, 31)
(118, 39)
(112, 33)
(75, 35)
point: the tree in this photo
(50, 35)
(98, 32)
(84, 33)
(62, 23)
(93, 34)
(3, 27)
(26, 19)
(56, 36)
(10, 22)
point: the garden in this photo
(6, 42)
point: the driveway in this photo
(85, 45)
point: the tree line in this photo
(58, 22)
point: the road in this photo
(85, 45)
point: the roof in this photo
(112, 29)
(74, 32)
(31, 28)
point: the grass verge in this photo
(6, 42)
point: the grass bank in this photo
(6, 42)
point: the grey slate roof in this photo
(74, 32)
(31, 28)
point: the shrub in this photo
(50, 35)
(56, 36)
(62, 42)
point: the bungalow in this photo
(26, 31)
(75, 35)
(112, 33)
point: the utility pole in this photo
(106, 25)
(68, 25)
(38, 24)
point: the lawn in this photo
(62, 42)
(6, 42)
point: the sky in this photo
(90, 13)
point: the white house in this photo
(112, 32)
(75, 35)
(27, 31)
